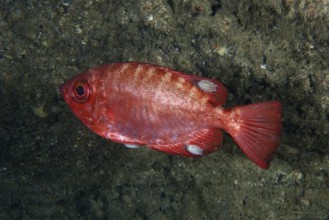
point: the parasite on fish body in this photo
(140, 104)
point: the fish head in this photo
(80, 93)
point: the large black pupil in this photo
(80, 90)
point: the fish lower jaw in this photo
(87, 121)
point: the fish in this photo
(147, 105)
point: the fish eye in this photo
(81, 91)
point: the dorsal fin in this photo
(203, 142)
(216, 91)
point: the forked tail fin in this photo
(256, 128)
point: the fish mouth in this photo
(62, 91)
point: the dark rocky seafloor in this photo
(53, 167)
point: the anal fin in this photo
(202, 143)
(209, 140)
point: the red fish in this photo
(140, 104)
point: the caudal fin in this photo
(256, 128)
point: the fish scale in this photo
(146, 106)
(140, 104)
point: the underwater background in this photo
(53, 167)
